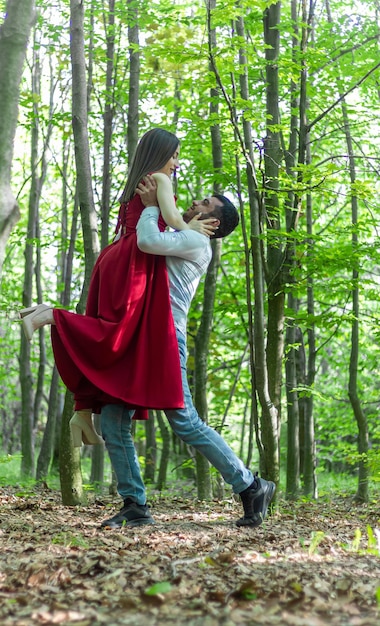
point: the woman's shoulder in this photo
(160, 177)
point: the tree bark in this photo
(108, 116)
(272, 159)
(14, 36)
(267, 435)
(31, 400)
(164, 458)
(70, 474)
(134, 80)
(202, 339)
(47, 445)
(310, 487)
(82, 145)
(361, 420)
(150, 448)
(293, 456)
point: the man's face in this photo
(206, 206)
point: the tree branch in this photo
(342, 97)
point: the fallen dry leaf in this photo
(310, 566)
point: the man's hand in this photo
(147, 191)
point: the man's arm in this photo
(186, 244)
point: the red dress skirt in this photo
(124, 350)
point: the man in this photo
(188, 254)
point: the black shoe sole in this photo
(129, 523)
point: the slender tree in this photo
(134, 78)
(14, 35)
(69, 461)
(353, 393)
(202, 339)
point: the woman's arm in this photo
(148, 192)
(166, 202)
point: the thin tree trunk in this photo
(361, 420)
(14, 35)
(267, 437)
(97, 452)
(108, 116)
(70, 474)
(48, 439)
(150, 448)
(272, 158)
(82, 145)
(293, 456)
(65, 269)
(309, 463)
(254, 425)
(164, 458)
(202, 339)
(134, 79)
(27, 392)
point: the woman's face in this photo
(172, 165)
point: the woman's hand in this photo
(206, 227)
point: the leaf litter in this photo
(309, 564)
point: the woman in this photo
(124, 350)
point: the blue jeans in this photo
(186, 423)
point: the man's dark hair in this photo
(227, 215)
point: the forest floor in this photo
(309, 564)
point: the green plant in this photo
(69, 540)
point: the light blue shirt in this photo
(188, 254)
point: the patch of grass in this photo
(69, 540)
(330, 484)
(10, 469)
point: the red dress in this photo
(124, 350)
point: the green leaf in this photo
(156, 589)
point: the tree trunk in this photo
(97, 457)
(28, 417)
(48, 439)
(164, 458)
(202, 339)
(134, 79)
(309, 463)
(361, 420)
(14, 35)
(150, 448)
(293, 456)
(267, 437)
(108, 125)
(272, 159)
(71, 476)
(82, 146)
(70, 472)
